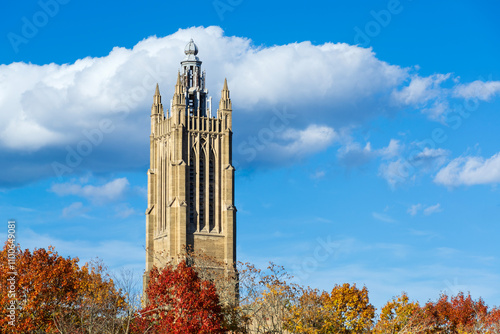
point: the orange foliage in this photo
(47, 287)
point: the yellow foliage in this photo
(345, 310)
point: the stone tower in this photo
(191, 177)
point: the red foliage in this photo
(179, 302)
(451, 314)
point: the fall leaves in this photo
(178, 302)
(345, 310)
(196, 294)
(55, 295)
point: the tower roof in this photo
(191, 50)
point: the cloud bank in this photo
(52, 115)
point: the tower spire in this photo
(157, 96)
(178, 98)
(225, 100)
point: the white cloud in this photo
(406, 168)
(470, 171)
(383, 217)
(420, 90)
(294, 144)
(107, 192)
(352, 154)
(312, 139)
(49, 102)
(74, 209)
(124, 210)
(478, 89)
(397, 172)
(429, 210)
(333, 84)
(392, 150)
(413, 210)
(430, 158)
(432, 209)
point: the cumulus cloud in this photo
(52, 108)
(420, 89)
(288, 146)
(478, 89)
(312, 139)
(430, 95)
(107, 192)
(470, 170)
(406, 167)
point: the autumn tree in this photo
(395, 316)
(98, 306)
(225, 278)
(179, 302)
(265, 297)
(51, 291)
(345, 310)
(307, 315)
(456, 314)
(46, 284)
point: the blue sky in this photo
(365, 132)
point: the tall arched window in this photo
(211, 190)
(192, 192)
(201, 189)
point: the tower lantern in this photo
(194, 82)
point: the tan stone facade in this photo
(191, 177)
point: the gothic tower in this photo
(191, 177)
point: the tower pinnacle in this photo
(157, 96)
(225, 100)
